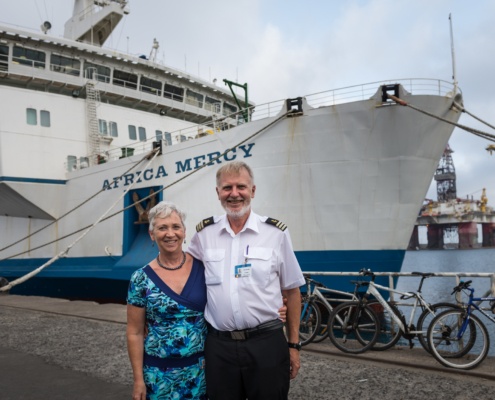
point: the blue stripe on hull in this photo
(106, 277)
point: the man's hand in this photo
(292, 328)
(295, 362)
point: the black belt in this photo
(247, 333)
(172, 362)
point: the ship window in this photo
(32, 58)
(150, 86)
(65, 65)
(132, 132)
(83, 162)
(142, 134)
(194, 98)
(4, 57)
(166, 137)
(102, 127)
(45, 118)
(212, 104)
(71, 163)
(173, 92)
(229, 109)
(98, 72)
(126, 79)
(31, 116)
(114, 131)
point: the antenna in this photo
(454, 76)
(154, 50)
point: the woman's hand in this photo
(282, 311)
(139, 391)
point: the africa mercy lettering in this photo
(189, 164)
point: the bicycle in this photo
(458, 338)
(392, 323)
(314, 303)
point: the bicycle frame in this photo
(418, 300)
(469, 308)
(318, 291)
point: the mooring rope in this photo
(476, 132)
(88, 228)
(472, 115)
(76, 207)
(69, 247)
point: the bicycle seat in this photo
(360, 283)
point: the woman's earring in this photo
(184, 240)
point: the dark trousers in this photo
(256, 369)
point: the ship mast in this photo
(454, 75)
(94, 25)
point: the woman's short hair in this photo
(162, 210)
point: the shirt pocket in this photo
(260, 260)
(213, 260)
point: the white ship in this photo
(85, 132)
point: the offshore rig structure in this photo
(450, 216)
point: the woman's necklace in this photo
(173, 268)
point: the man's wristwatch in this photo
(296, 346)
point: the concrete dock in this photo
(60, 349)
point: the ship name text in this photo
(189, 164)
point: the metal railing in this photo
(392, 275)
(320, 99)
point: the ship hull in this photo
(347, 179)
(96, 280)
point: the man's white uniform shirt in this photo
(262, 257)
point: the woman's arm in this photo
(135, 347)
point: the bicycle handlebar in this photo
(461, 286)
(312, 281)
(368, 272)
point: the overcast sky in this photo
(288, 48)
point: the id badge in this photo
(242, 271)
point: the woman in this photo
(165, 325)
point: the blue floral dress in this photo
(173, 348)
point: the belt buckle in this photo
(238, 335)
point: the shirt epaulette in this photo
(204, 224)
(275, 222)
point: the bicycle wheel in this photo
(454, 349)
(426, 317)
(353, 327)
(310, 321)
(390, 332)
(322, 331)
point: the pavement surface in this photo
(60, 349)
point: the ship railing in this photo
(458, 277)
(415, 86)
(23, 60)
(4, 62)
(326, 98)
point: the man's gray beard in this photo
(238, 214)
